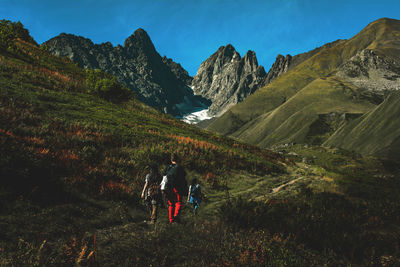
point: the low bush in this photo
(322, 221)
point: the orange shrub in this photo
(211, 179)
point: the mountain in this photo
(226, 78)
(73, 160)
(332, 85)
(158, 82)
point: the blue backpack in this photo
(195, 191)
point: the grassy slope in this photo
(72, 167)
(365, 134)
(68, 158)
(321, 96)
(277, 112)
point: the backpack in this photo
(153, 189)
(176, 178)
(195, 191)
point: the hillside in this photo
(365, 133)
(74, 148)
(70, 149)
(284, 64)
(342, 80)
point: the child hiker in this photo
(194, 195)
(151, 192)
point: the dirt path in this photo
(277, 189)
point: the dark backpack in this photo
(177, 178)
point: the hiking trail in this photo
(277, 189)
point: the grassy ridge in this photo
(364, 134)
(322, 96)
(284, 110)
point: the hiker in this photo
(174, 186)
(194, 195)
(151, 192)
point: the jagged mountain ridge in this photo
(227, 79)
(283, 64)
(340, 78)
(162, 83)
(176, 68)
(158, 82)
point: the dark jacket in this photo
(177, 178)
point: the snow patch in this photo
(197, 116)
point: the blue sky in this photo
(189, 31)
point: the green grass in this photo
(376, 133)
(291, 121)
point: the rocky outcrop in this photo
(372, 72)
(158, 82)
(179, 72)
(227, 79)
(280, 66)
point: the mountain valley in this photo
(310, 177)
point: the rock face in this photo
(370, 71)
(280, 66)
(158, 82)
(176, 68)
(227, 79)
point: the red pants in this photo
(174, 205)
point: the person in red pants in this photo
(175, 187)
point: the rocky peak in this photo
(159, 83)
(76, 48)
(226, 78)
(139, 44)
(73, 40)
(250, 61)
(280, 66)
(228, 52)
(224, 55)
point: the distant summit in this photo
(157, 82)
(227, 79)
